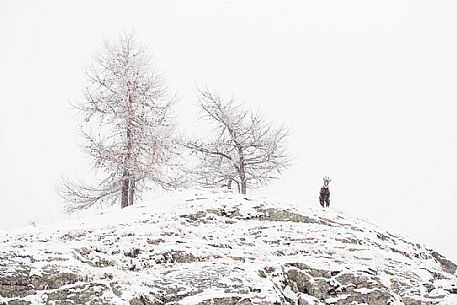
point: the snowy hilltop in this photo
(218, 248)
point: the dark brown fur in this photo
(324, 194)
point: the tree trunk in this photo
(125, 189)
(241, 170)
(243, 187)
(243, 179)
(131, 191)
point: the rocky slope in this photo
(210, 248)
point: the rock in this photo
(94, 260)
(84, 251)
(80, 294)
(313, 272)
(284, 215)
(196, 217)
(132, 253)
(246, 301)
(358, 281)
(19, 302)
(54, 280)
(262, 274)
(446, 264)
(375, 297)
(18, 284)
(180, 257)
(303, 301)
(321, 289)
(299, 281)
(141, 300)
(155, 241)
(452, 290)
(221, 301)
(412, 301)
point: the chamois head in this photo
(326, 181)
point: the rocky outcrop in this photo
(446, 264)
(220, 249)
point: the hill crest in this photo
(211, 247)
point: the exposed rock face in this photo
(447, 265)
(220, 249)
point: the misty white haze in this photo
(369, 90)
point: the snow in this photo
(364, 290)
(230, 250)
(449, 300)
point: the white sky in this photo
(368, 87)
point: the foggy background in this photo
(369, 89)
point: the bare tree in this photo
(126, 128)
(247, 151)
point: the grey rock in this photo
(446, 264)
(321, 289)
(180, 257)
(80, 294)
(270, 214)
(299, 281)
(54, 280)
(313, 272)
(221, 301)
(142, 300)
(19, 302)
(358, 281)
(412, 301)
(376, 297)
(155, 241)
(18, 284)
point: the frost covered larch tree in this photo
(126, 127)
(247, 151)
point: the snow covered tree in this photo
(126, 126)
(247, 151)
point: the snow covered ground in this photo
(202, 247)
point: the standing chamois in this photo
(324, 195)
